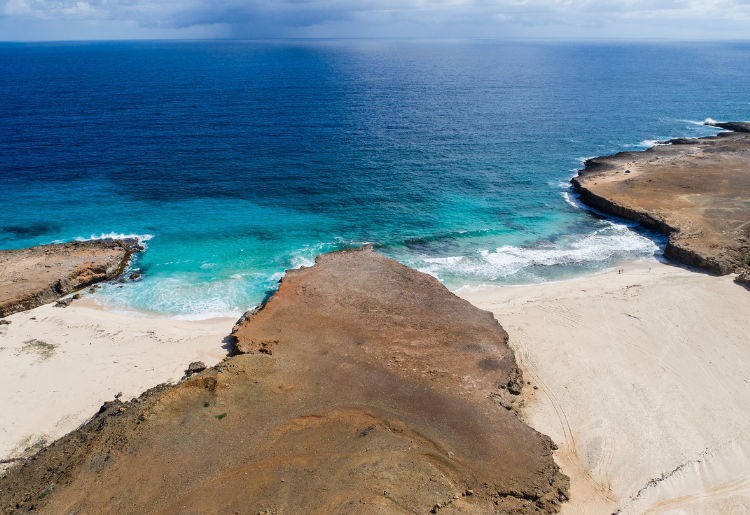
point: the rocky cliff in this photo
(696, 191)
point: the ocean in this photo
(236, 160)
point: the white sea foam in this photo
(584, 159)
(566, 195)
(611, 243)
(116, 236)
(142, 238)
(561, 184)
(452, 260)
(701, 123)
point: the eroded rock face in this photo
(364, 387)
(38, 275)
(697, 191)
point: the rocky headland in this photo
(361, 386)
(37, 275)
(696, 191)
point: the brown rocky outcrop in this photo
(696, 191)
(38, 275)
(362, 386)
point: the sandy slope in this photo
(47, 392)
(639, 375)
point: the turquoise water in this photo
(236, 160)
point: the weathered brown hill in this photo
(38, 275)
(367, 388)
(695, 190)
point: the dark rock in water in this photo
(38, 275)
(77, 296)
(376, 399)
(92, 290)
(135, 276)
(195, 367)
(731, 126)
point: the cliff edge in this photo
(696, 191)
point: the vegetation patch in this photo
(47, 491)
(221, 416)
(43, 350)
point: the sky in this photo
(38, 20)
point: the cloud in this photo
(460, 18)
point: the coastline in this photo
(648, 363)
(694, 191)
(620, 366)
(83, 355)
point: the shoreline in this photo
(564, 335)
(85, 319)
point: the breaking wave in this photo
(544, 260)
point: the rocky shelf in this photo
(696, 191)
(37, 275)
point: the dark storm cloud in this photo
(415, 17)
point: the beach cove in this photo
(359, 281)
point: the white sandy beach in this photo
(640, 375)
(49, 391)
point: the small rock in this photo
(133, 277)
(121, 281)
(5, 322)
(77, 296)
(92, 290)
(118, 395)
(195, 367)
(469, 492)
(64, 303)
(514, 387)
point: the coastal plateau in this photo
(37, 275)
(360, 386)
(696, 191)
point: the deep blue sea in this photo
(236, 160)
